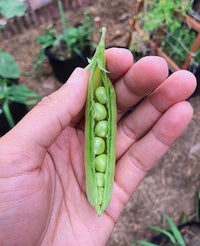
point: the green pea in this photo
(100, 112)
(101, 129)
(100, 94)
(99, 146)
(100, 163)
(100, 180)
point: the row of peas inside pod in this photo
(101, 130)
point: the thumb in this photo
(44, 123)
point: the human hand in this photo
(42, 181)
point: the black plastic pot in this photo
(62, 69)
(18, 111)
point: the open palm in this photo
(42, 180)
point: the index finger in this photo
(133, 81)
(118, 62)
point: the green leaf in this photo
(47, 39)
(156, 12)
(8, 114)
(78, 52)
(8, 67)
(11, 8)
(174, 230)
(166, 233)
(21, 94)
(75, 38)
(143, 243)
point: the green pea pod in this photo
(99, 186)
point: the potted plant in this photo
(13, 96)
(65, 50)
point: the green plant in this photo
(166, 17)
(71, 41)
(173, 234)
(74, 38)
(177, 44)
(10, 92)
(9, 69)
(15, 93)
(159, 13)
(100, 132)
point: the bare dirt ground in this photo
(169, 188)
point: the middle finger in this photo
(143, 77)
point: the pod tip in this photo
(103, 35)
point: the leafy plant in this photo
(177, 44)
(74, 38)
(167, 18)
(10, 92)
(71, 41)
(9, 69)
(159, 13)
(14, 93)
(11, 8)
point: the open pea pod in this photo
(100, 132)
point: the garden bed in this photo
(171, 187)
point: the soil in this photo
(169, 188)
